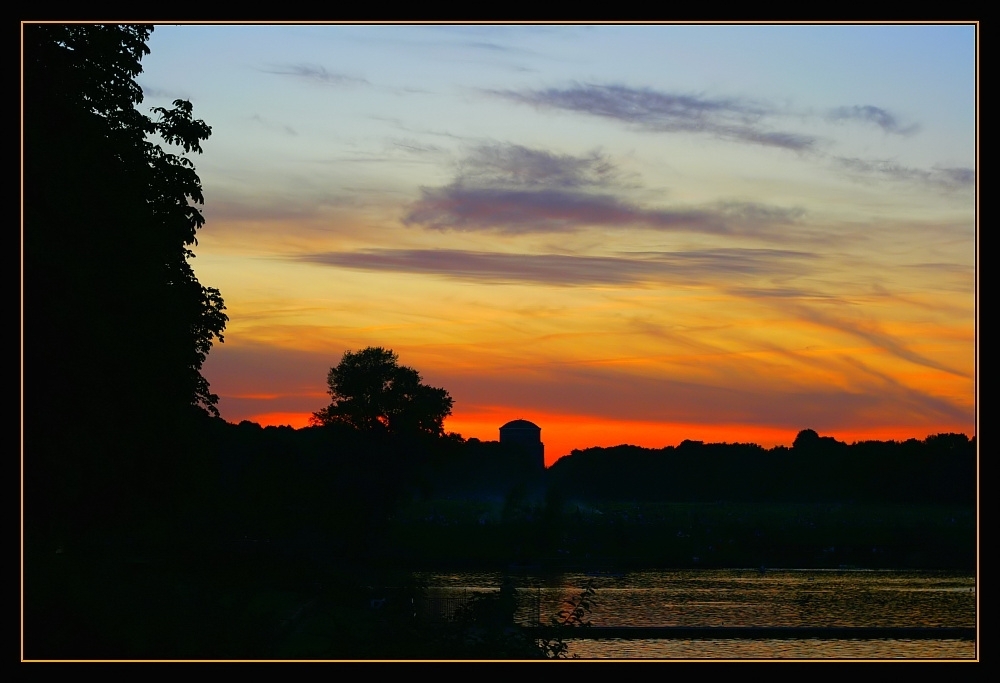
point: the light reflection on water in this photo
(772, 649)
(749, 598)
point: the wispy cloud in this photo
(611, 392)
(706, 265)
(911, 398)
(938, 269)
(411, 146)
(797, 303)
(492, 47)
(954, 176)
(516, 190)
(941, 177)
(727, 118)
(873, 334)
(874, 115)
(315, 73)
(741, 120)
(267, 123)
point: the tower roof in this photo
(520, 424)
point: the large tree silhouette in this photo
(116, 324)
(372, 392)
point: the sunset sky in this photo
(624, 233)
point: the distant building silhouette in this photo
(528, 437)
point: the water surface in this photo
(859, 598)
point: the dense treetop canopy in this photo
(372, 392)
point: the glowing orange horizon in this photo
(563, 433)
(279, 419)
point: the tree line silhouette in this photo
(940, 469)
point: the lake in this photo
(741, 597)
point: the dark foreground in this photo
(118, 597)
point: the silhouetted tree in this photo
(109, 219)
(116, 324)
(372, 392)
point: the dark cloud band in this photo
(462, 208)
(514, 189)
(708, 265)
(735, 119)
(728, 118)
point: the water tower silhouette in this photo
(526, 436)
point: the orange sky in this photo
(622, 233)
(563, 433)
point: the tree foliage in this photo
(116, 324)
(372, 392)
(109, 219)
